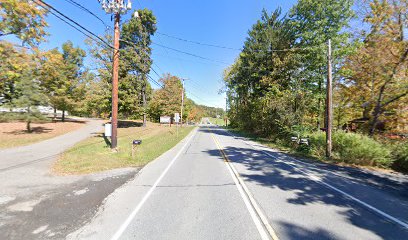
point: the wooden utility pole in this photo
(115, 76)
(144, 102)
(182, 102)
(329, 103)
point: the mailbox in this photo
(137, 142)
(108, 130)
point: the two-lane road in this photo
(245, 191)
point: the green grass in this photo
(217, 121)
(93, 154)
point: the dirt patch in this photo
(14, 134)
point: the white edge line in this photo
(129, 219)
(316, 179)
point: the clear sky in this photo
(217, 22)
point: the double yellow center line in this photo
(261, 222)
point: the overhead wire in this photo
(87, 33)
(76, 4)
(71, 21)
(198, 43)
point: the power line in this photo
(226, 47)
(72, 21)
(185, 40)
(190, 54)
(76, 4)
(199, 43)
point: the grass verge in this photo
(308, 156)
(94, 155)
(217, 121)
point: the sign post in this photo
(177, 121)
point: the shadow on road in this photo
(275, 174)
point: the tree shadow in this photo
(128, 124)
(293, 231)
(34, 130)
(278, 174)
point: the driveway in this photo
(35, 204)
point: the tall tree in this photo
(136, 35)
(377, 72)
(277, 82)
(61, 76)
(166, 100)
(29, 95)
(315, 22)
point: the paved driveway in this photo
(35, 204)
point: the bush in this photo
(35, 117)
(400, 154)
(360, 149)
(351, 148)
(11, 116)
(317, 144)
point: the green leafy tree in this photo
(167, 100)
(136, 52)
(314, 23)
(62, 75)
(276, 84)
(134, 66)
(30, 94)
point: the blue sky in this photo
(218, 22)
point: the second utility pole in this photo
(329, 103)
(182, 101)
(115, 74)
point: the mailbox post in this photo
(135, 143)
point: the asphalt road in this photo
(246, 191)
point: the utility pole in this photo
(329, 103)
(226, 115)
(182, 101)
(116, 7)
(115, 76)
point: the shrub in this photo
(317, 144)
(400, 154)
(351, 148)
(360, 149)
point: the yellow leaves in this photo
(23, 18)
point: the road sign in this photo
(177, 117)
(165, 120)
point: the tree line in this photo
(277, 84)
(276, 88)
(60, 78)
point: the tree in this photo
(30, 95)
(166, 100)
(314, 23)
(12, 65)
(136, 50)
(135, 61)
(277, 82)
(61, 75)
(377, 72)
(24, 19)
